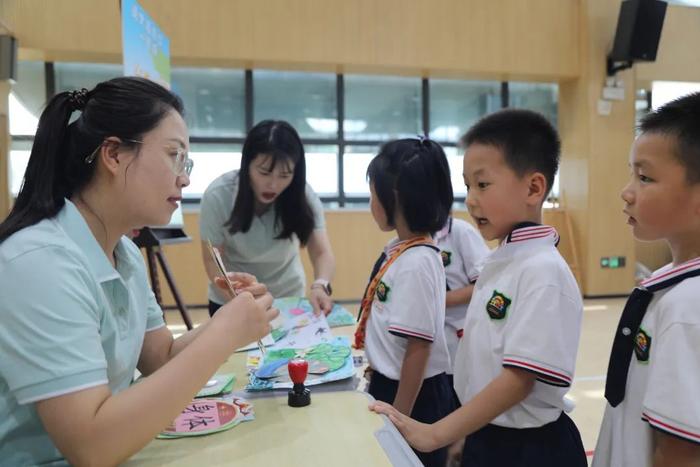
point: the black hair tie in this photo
(77, 99)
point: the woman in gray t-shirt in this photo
(259, 216)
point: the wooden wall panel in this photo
(533, 39)
(653, 254)
(677, 58)
(594, 156)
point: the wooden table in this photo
(337, 429)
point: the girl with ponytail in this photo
(77, 313)
(402, 315)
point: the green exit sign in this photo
(612, 262)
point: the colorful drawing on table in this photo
(207, 416)
(301, 330)
(217, 384)
(297, 306)
(340, 316)
(296, 315)
(278, 332)
(328, 361)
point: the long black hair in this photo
(279, 140)
(59, 164)
(413, 175)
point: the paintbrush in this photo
(216, 256)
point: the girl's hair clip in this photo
(424, 141)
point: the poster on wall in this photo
(145, 48)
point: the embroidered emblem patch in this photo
(446, 257)
(642, 345)
(497, 307)
(382, 291)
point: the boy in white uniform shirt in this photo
(462, 250)
(653, 383)
(516, 360)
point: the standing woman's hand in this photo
(320, 300)
(323, 263)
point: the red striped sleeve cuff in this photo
(405, 332)
(671, 427)
(544, 374)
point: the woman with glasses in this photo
(259, 216)
(78, 317)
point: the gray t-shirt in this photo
(275, 262)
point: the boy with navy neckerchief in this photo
(515, 361)
(653, 382)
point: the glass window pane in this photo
(540, 97)
(214, 100)
(454, 159)
(355, 162)
(210, 161)
(379, 108)
(22, 120)
(27, 98)
(306, 100)
(71, 76)
(456, 105)
(19, 157)
(322, 169)
(357, 158)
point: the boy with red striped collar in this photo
(653, 412)
(516, 359)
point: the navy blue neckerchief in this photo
(628, 328)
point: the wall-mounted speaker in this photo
(638, 30)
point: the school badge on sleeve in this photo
(642, 346)
(382, 291)
(497, 307)
(446, 257)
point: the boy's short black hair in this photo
(413, 172)
(680, 119)
(528, 141)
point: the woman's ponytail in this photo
(40, 195)
(59, 166)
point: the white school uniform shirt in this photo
(663, 383)
(525, 313)
(463, 251)
(410, 302)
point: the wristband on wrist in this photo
(323, 284)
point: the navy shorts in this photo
(555, 444)
(434, 402)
